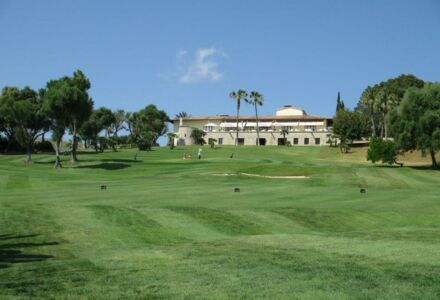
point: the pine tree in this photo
(339, 103)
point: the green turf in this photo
(168, 228)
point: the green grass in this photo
(168, 228)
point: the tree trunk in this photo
(258, 128)
(373, 124)
(74, 145)
(42, 137)
(8, 146)
(434, 161)
(385, 126)
(29, 154)
(57, 153)
(115, 137)
(236, 135)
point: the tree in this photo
(198, 136)
(415, 123)
(69, 104)
(350, 125)
(147, 126)
(256, 99)
(182, 114)
(3, 139)
(377, 101)
(339, 103)
(392, 93)
(80, 107)
(171, 137)
(118, 124)
(384, 150)
(58, 129)
(238, 96)
(55, 99)
(100, 119)
(3, 127)
(284, 132)
(367, 106)
(129, 121)
(107, 119)
(23, 109)
(7, 122)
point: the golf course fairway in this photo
(161, 227)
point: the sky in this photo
(189, 55)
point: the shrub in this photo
(379, 149)
(10, 146)
(3, 143)
(212, 142)
(44, 146)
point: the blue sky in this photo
(188, 55)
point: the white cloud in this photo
(181, 53)
(203, 67)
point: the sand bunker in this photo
(262, 176)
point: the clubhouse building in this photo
(302, 128)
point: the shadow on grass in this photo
(12, 253)
(12, 153)
(106, 166)
(47, 162)
(106, 160)
(422, 168)
(121, 160)
(426, 167)
(387, 166)
(11, 236)
(86, 153)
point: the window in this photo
(208, 128)
(295, 141)
(306, 141)
(240, 141)
(317, 141)
(262, 142)
(310, 128)
(220, 141)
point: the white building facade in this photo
(298, 127)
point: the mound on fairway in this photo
(165, 228)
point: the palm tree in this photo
(171, 137)
(238, 96)
(368, 101)
(284, 132)
(256, 99)
(182, 114)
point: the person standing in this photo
(199, 155)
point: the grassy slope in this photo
(169, 228)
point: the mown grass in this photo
(169, 228)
